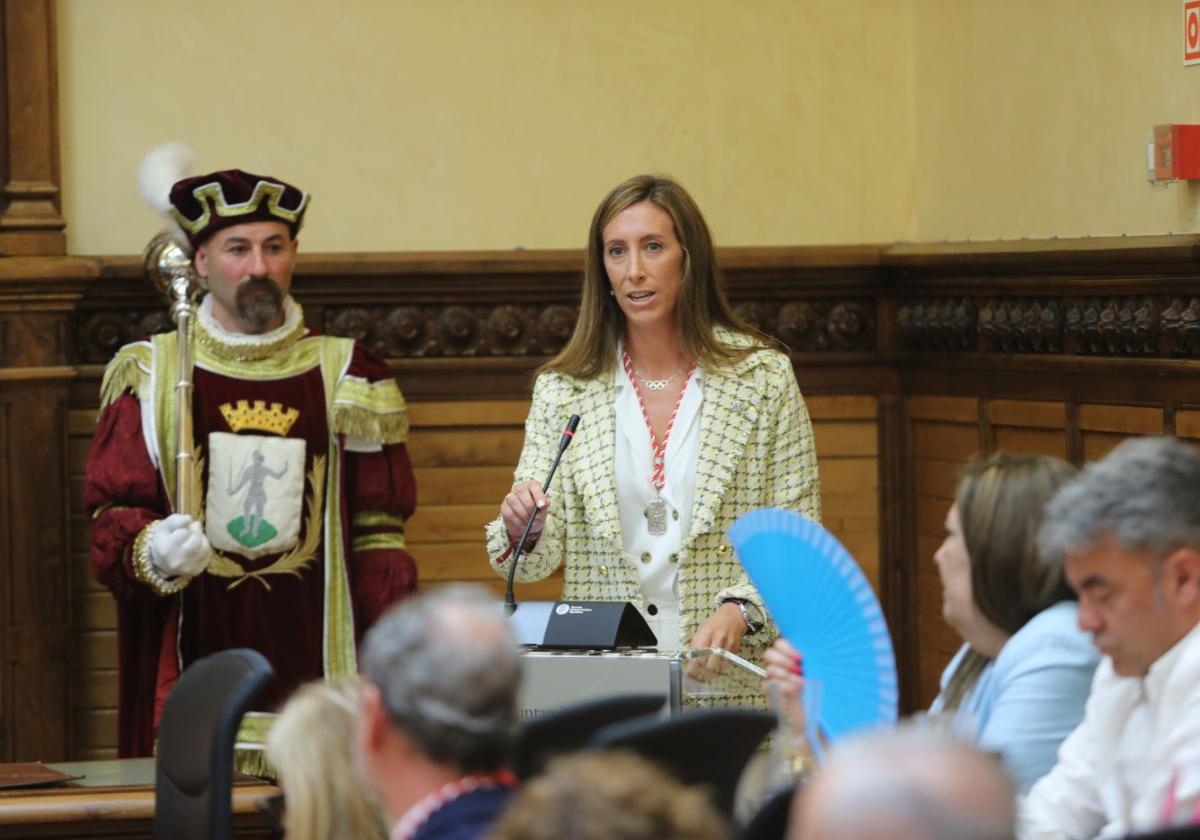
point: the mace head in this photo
(168, 265)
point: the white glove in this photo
(178, 547)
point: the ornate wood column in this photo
(37, 302)
(31, 221)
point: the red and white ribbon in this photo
(417, 815)
(658, 476)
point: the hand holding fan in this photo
(825, 607)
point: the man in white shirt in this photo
(1128, 531)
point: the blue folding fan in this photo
(825, 607)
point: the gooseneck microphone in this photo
(510, 603)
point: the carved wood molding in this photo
(819, 302)
(31, 221)
(464, 330)
(520, 307)
(1151, 326)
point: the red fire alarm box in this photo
(1176, 152)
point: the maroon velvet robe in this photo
(124, 492)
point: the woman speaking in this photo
(690, 418)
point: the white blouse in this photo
(656, 558)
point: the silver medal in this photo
(656, 517)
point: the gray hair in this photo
(914, 781)
(447, 669)
(1145, 495)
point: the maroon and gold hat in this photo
(205, 204)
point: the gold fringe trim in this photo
(369, 425)
(377, 542)
(382, 396)
(250, 756)
(255, 727)
(126, 372)
(254, 763)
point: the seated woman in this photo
(1020, 681)
(690, 418)
(311, 747)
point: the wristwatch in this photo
(750, 614)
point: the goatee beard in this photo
(259, 303)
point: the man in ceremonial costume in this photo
(301, 476)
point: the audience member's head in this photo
(910, 783)
(1127, 533)
(440, 697)
(993, 581)
(311, 747)
(609, 796)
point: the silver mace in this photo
(169, 268)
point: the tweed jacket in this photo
(756, 450)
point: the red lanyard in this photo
(658, 477)
(418, 814)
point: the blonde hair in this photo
(702, 305)
(311, 746)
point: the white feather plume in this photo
(161, 168)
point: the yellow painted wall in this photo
(1032, 117)
(464, 124)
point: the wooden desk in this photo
(114, 799)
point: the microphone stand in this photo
(510, 602)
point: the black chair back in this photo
(571, 727)
(708, 747)
(193, 786)
(770, 821)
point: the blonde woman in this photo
(311, 747)
(689, 418)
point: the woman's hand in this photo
(517, 507)
(724, 629)
(785, 668)
(785, 683)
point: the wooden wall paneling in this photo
(1102, 427)
(898, 544)
(94, 624)
(1187, 423)
(464, 454)
(1036, 427)
(846, 432)
(34, 572)
(946, 434)
(31, 221)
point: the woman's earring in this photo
(611, 293)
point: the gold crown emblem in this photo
(256, 415)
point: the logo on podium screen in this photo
(562, 609)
